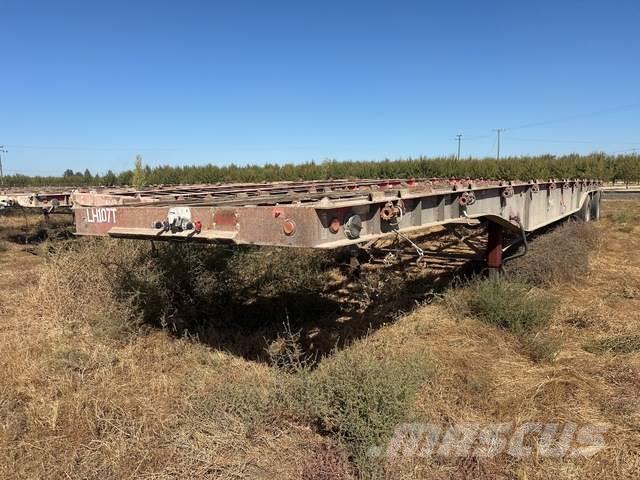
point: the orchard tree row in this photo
(625, 168)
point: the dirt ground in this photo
(77, 404)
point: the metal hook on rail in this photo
(524, 242)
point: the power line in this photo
(596, 113)
(477, 137)
(554, 140)
(602, 111)
(632, 150)
(459, 137)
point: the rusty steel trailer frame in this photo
(50, 198)
(47, 199)
(331, 214)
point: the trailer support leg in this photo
(494, 248)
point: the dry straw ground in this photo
(100, 383)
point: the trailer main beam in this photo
(325, 214)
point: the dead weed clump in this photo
(33, 228)
(506, 304)
(274, 271)
(353, 398)
(360, 394)
(191, 287)
(245, 397)
(630, 292)
(511, 305)
(625, 219)
(327, 463)
(558, 256)
(620, 344)
(541, 347)
(77, 288)
(587, 316)
(116, 286)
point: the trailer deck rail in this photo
(330, 214)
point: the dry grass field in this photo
(122, 361)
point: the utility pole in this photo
(498, 130)
(2, 150)
(459, 136)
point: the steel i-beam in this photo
(328, 214)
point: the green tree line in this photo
(624, 168)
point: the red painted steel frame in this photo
(323, 214)
(494, 245)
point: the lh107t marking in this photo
(101, 215)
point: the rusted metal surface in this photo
(46, 198)
(237, 193)
(323, 214)
(494, 245)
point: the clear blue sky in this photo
(90, 84)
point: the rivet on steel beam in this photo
(289, 227)
(334, 225)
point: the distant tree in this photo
(147, 174)
(138, 179)
(628, 169)
(109, 179)
(595, 165)
(125, 178)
